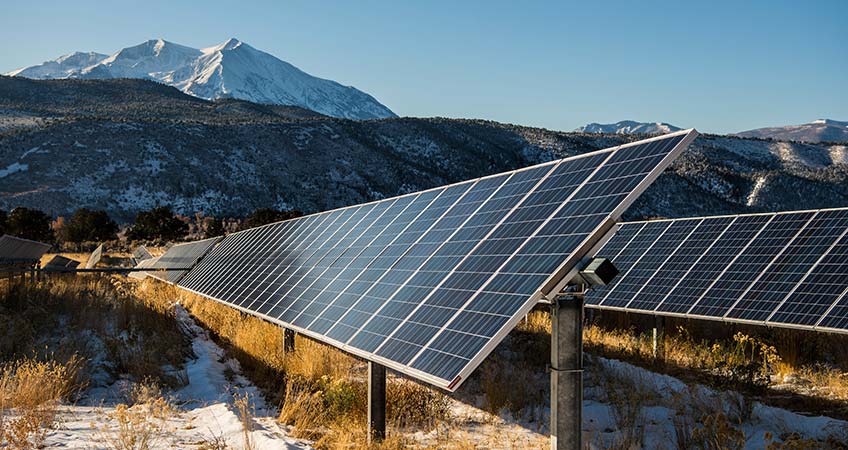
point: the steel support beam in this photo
(567, 372)
(376, 402)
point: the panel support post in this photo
(376, 402)
(658, 334)
(288, 340)
(567, 372)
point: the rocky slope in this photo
(127, 145)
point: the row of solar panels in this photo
(780, 269)
(427, 283)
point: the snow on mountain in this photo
(232, 69)
(629, 127)
(62, 67)
(822, 130)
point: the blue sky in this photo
(716, 66)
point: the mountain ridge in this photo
(129, 145)
(821, 130)
(628, 127)
(232, 69)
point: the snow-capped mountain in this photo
(232, 69)
(62, 67)
(629, 127)
(822, 130)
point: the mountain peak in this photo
(629, 127)
(231, 69)
(231, 43)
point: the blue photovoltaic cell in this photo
(825, 282)
(538, 254)
(789, 267)
(675, 267)
(837, 318)
(629, 284)
(178, 257)
(781, 269)
(713, 263)
(428, 283)
(741, 272)
(630, 242)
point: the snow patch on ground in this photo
(754, 195)
(13, 168)
(205, 408)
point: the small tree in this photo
(88, 225)
(30, 223)
(4, 220)
(264, 216)
(214, 228)
(158, 223)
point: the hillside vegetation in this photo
(129, 145)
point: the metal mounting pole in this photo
(567, 372)
(658, 334)
(288, 340)
(376, 402)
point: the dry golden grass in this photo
(30, 393)
(138, 427)
(320, 390)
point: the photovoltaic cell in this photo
(428, 283)
(783, 269)
(180, 256)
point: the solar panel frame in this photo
(828, 321)
(563, 271)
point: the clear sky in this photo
(713, 65)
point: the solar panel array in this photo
(61, 262)
(781, 269)
(15, 250)
(95, 257)
(180, 256)
(429, 283)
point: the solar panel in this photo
(147, 263)
(784, 269)
(429, 283)
(15, 250)
(61, 262)
(95, 257)
(180, 256)
(140, 254)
